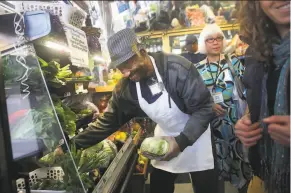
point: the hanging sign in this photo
(77, 43)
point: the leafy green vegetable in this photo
(66, 117)
(14, 72)
(64, 72)
(101, 154)
(70, 178)
(83, 113)
(48, 160)
(48, 184)
(95, 157)
(154, 147)
(40, 124)
(86, 111)
(54, 74)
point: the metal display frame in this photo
(7, 173)
(113, 174)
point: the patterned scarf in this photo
(275, 158)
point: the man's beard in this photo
(141, 71)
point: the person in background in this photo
(216, 71)
(191, 50)
(169, 90)
(265, 26)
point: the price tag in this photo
(217, 97)
(155, 89)
(79, 88)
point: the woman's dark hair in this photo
(257, 30)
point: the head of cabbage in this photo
(154, 148)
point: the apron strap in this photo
(160, 81)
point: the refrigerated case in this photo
(31, 120)
(35, 132)
(31, 126)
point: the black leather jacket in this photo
(184, 85)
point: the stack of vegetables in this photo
(66, 116)
(54, 74)
(88, 163)
(57, 77)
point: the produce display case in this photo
(32, 121)
(30, 92)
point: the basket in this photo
(55, 173)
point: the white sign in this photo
(77, 43)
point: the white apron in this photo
(171, 122)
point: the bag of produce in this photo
(154, 148)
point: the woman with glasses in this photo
(218, 77)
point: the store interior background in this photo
(106, 18)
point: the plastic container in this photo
(55, 173)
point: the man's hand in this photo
(174, 149)
(248, 133)
(218, 110)
(95, 115)
(58, 151)
(279, 129)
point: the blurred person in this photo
(190, 50)
(218, 72)
(265, 26)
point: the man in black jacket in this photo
(169, 90)
(191, 49)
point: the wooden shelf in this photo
(165, 35)
(104, 88)
(189, 30)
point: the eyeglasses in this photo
(211, 40)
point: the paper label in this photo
(217, 97)
(77, 43)
(155, 89)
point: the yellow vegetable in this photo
(123, 136)
(117, 137)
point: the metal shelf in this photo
(113, 174)
(104, 88)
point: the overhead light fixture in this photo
(57, 46)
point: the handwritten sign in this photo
(77, 43)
